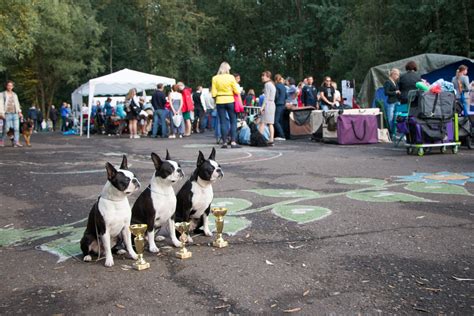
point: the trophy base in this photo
(220, 244)
(141, 266)
(184, 254)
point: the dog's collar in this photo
(160, 193)
(205, 185)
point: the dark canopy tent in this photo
(430, 66)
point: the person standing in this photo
(176, 106)
(64, 116)
(10, 111)
(224, 86)
(268, 107)
(188, 107)
(39, 120)
(309, 94)
(32, 115)
(408, 81)
(392, 91)
(132, 107)
(279, 106)
(461, 85)
(158, 101)
(199, 111)
(326, 94)
(53, 116)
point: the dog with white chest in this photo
(156, 205)
(109, 219)
(195, 197)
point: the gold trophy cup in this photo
(183, 229)
(139, 231)
(219, 213)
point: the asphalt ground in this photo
(325, 229)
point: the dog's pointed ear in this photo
(156, 160)
(111, 171)
(201, 159)
(212, 156)
(167, 155)
(124, 164)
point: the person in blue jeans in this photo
(158, 101)
(10, 110)
(279, 106)
(392, 92)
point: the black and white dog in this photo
(195, 197)
(109, 218)
(156, 205)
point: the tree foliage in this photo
(50, 46)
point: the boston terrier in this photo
(195, 197)
(109, 218)
(157, 203)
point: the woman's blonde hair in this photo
(394, 70)
(224, 68)
(130, 94)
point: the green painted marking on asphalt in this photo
(361, 181)
(281, 193)
(232, 224)
(385, 196)
(437, 188)
(301, 214)
(233, 205)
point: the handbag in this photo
(357, 129)
(177, 120)
(238, 106)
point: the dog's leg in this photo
(151, 242)
(172, 232)
(105, 239)
(205, 220)
(127, 238)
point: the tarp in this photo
(117, 83)
(430, 66)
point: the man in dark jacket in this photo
(199, 111)
(310, 94)
(158, 101)
(39, 120)
(53, 116)
(33, 116)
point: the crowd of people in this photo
(178, 111)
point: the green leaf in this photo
(286, 193)
(437, 188)
(233, 205)
(301, 213)
(361, 181)
(385, 196)
(232, 224)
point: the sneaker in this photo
(18, 145)
(131, 136)
(136, 136)
(171, 136)
(235, 146)
(279, 138)
(180, 136)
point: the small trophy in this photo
(139, 231)
(183, 229)
(219, 213)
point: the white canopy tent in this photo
(117, 83)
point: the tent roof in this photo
(377, 75)
(118, 83)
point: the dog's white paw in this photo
(154, 249)
(177, 244)
(208, 233)
(160, 238)
(121, 251)
(133, 255)
(109, 262)
(190, 240)
(87, 258)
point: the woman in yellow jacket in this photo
(223, 89)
